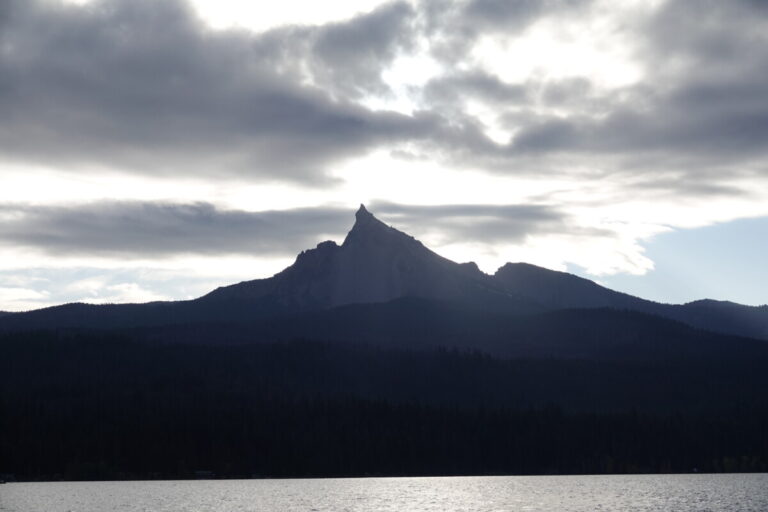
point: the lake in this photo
(668, 493)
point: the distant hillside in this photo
(377, 264)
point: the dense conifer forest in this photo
(81, 404)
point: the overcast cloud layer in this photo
(145, 87)
(622, 119)
(141, 230)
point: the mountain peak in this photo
(366, 224)
(362, 212)
(365, 218)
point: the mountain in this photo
(560, 290)
(377, 264)
(596, 335)
(722, 316)
(380, 357)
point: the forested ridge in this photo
(81, 404)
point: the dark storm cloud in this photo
(684, 123)
(513, 14)
(700, 112)
(143, 85)
(452, 89)
(501, 12)
(350, 56)
(139, 229)
(703, 106)
(454, 26)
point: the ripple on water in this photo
(651, 493)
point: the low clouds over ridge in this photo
(157, 230)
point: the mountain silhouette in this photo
(380, 357)
(376, 264)
(560, 290)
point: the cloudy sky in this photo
(155, 149)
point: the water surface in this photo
(667, 493)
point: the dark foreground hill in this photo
(109, 406)
(378, 356)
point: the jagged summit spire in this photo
(367, 226)
(364, 218)
(362, 212)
